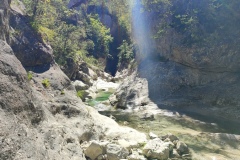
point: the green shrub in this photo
(46, 83)
(62, 92)
(29, 75)
(82, 94)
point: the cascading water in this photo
(141, 29)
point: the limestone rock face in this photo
(28, 47)
(175, 86)
(17, 110)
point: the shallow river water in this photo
(207, 140)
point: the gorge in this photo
(171, 91)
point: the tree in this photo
(126, 54)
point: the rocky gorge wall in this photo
(46, 121)
(201, 78)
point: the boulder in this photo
(116, 152)
(152, 135)
(113, 99)
(147, 116)
(84, 78)
(79, 85)
(182, 148)
(102, 107)
(132, 93)
(156, 149)
(95, 149)
(130, 144)
(171, 137)
(136, 156)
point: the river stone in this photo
(116, 152)
(113, 100)
(136, 156)
(95, 149)
(128, 144)
(102, 107)
(170, 136)
(152, 135)
(147, 116)
(182, 148)
(156, 149)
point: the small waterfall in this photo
(141, 29)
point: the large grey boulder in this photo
(79, 85)
(182, 148)
(132, 93)
(136, 156)
(95, 149)
(116, 152)
(156, 149)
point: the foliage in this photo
(69, 31)
(82, 94)
(126, 54)
(78, 34)
(62, 92)
(100, 36)
(197, 21)
(46, 83)
(29, 75)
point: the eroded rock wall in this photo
(40, 121)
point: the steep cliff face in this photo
(45, 121)
(27, 45)
(4, 15)
(200, 77)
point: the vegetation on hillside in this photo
(199, 22)
(76, 33)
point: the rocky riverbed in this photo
(205, 138)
